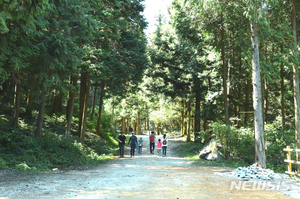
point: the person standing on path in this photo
(122, 140)
(164, 145)
(140, 145)
(159, 147)
(152, 142)
(133, 143)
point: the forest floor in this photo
(144, 176)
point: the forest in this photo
(73, 73)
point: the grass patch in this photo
(21, 152)
(31, 155)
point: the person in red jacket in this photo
(152, 142)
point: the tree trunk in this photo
(148, 122)
(197, 112)
(260, 158)
(83, 87)
(85, 109)
(123, 124)
(266, 91)
(30, 96)
(134, 126)
(38, 132)
(185, 119)
(60, 103)
(234, 84)
(94, 102)
(247, 100)
(127, 127)
(158, 128)
(100, 109)
(54, 103)
(70, 105)
(138, 124)
(282, 97)
(296, 76)
(188, 138)
(225, 98)
(240, 88)
(17, 99)
(182, 120)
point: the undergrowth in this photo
(22, 152)
(191, 152)
(241, 146)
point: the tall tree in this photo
(296, 74)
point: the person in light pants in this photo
(164, 145)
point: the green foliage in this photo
(241, 144)
(23, 151)
(191, 151)
(276, 140)
(23, 167)
(3, 164)
(27, 153)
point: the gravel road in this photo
(144, 176)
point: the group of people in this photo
(138, 144)
(160, 145)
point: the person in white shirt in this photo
(164, 145)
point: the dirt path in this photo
(144, 176)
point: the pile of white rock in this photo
(254, 173)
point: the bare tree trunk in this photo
(282, 96)
(134, 126)
(60, 104)
(30, 96)
(94, 102)
(225, 98)
(70, 105)
(182, 120)
(85, 109)
(296, 76)
(260, 158)
(197, 111)
(17, 99)
(100, 109)
(38, 132)
(158, 128)
(266, 91)
(138, 124)
(83, 82)
(247, 100)
(127, 127)
(188, 137)
(123, 124)
(240, 88)
(185, 118)
(148, 121)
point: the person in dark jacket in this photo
(133, 143)
(122, 141)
